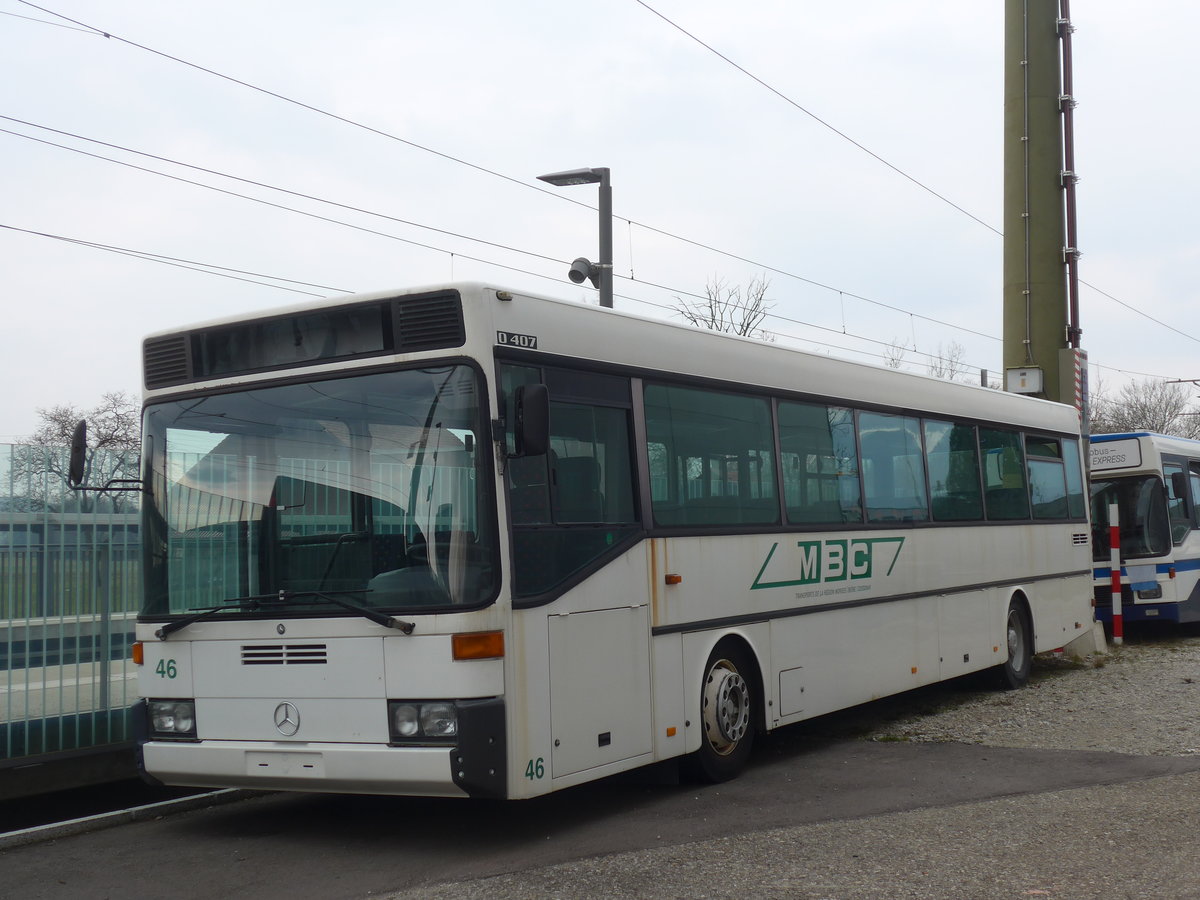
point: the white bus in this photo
(1155, 481)
(463, 541)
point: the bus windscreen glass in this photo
(364, 488)
(1142, 510)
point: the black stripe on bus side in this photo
(754, 618)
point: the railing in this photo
(70, 578)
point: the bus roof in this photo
(574, 332)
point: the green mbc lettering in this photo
(834, 560)
(823, 561)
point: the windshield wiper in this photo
(240, 604)
(283, 598)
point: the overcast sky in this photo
(440, 115)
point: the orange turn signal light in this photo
(138, 653)
(674, 579)
(478, 645)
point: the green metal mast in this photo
(1040, 330)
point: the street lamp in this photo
(600, 274)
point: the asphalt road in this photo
(930, 808)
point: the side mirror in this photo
(532, 426)
(75, 469)
(1179, 485)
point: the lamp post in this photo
(601, 274)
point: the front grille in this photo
(284, 655)
(1103, 595)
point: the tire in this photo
(729, 713)
(1014, 671)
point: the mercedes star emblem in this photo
(287, 719)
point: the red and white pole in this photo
(1114, 561)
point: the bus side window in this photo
(893, 468)
(1006, 494)
(575, 503)
(952, 456)
(820, 463)
(1047, 477)
(712, 460)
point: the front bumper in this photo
(353, 768)
(476, 766)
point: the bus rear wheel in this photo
(1014, 671)
(728, 715)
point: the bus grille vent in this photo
(429, 323)
(284, 655)
(165, 361)
(1078, 539)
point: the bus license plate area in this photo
(284, 764)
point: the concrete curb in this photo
(57, 830)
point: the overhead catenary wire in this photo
(209, 268)
(674, 290)
(195, 266)
(824, 124)
(249, 181)
(482, 169)
(300, 194)
(932, 358)
(79, 25)
(14, 15)
(274, 205)
(896, 169)
(224, 271)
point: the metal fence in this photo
(70, 579)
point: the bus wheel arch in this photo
(1018, 637)
(731, 711)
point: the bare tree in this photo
(1146, 405)
(948, 362)
(893, 353)
(39, 464)
(729, 309)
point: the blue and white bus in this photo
(1154, 479)
(465, 541)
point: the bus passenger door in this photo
(599, 688)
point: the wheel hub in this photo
(1016, 642)
(726, 707)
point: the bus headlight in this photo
(405, 719)
(422, 721)
(439, 720)
(172, 719)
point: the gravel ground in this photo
(1111, 841)
(1113, 702)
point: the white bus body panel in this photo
(342, 741)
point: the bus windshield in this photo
(1142, 507)
(365, 487)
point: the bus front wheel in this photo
(728, 715)
(1014, 671)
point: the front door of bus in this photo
(599, 688)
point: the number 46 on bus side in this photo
(166, 668)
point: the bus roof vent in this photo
(429, 322)
(165, 361)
